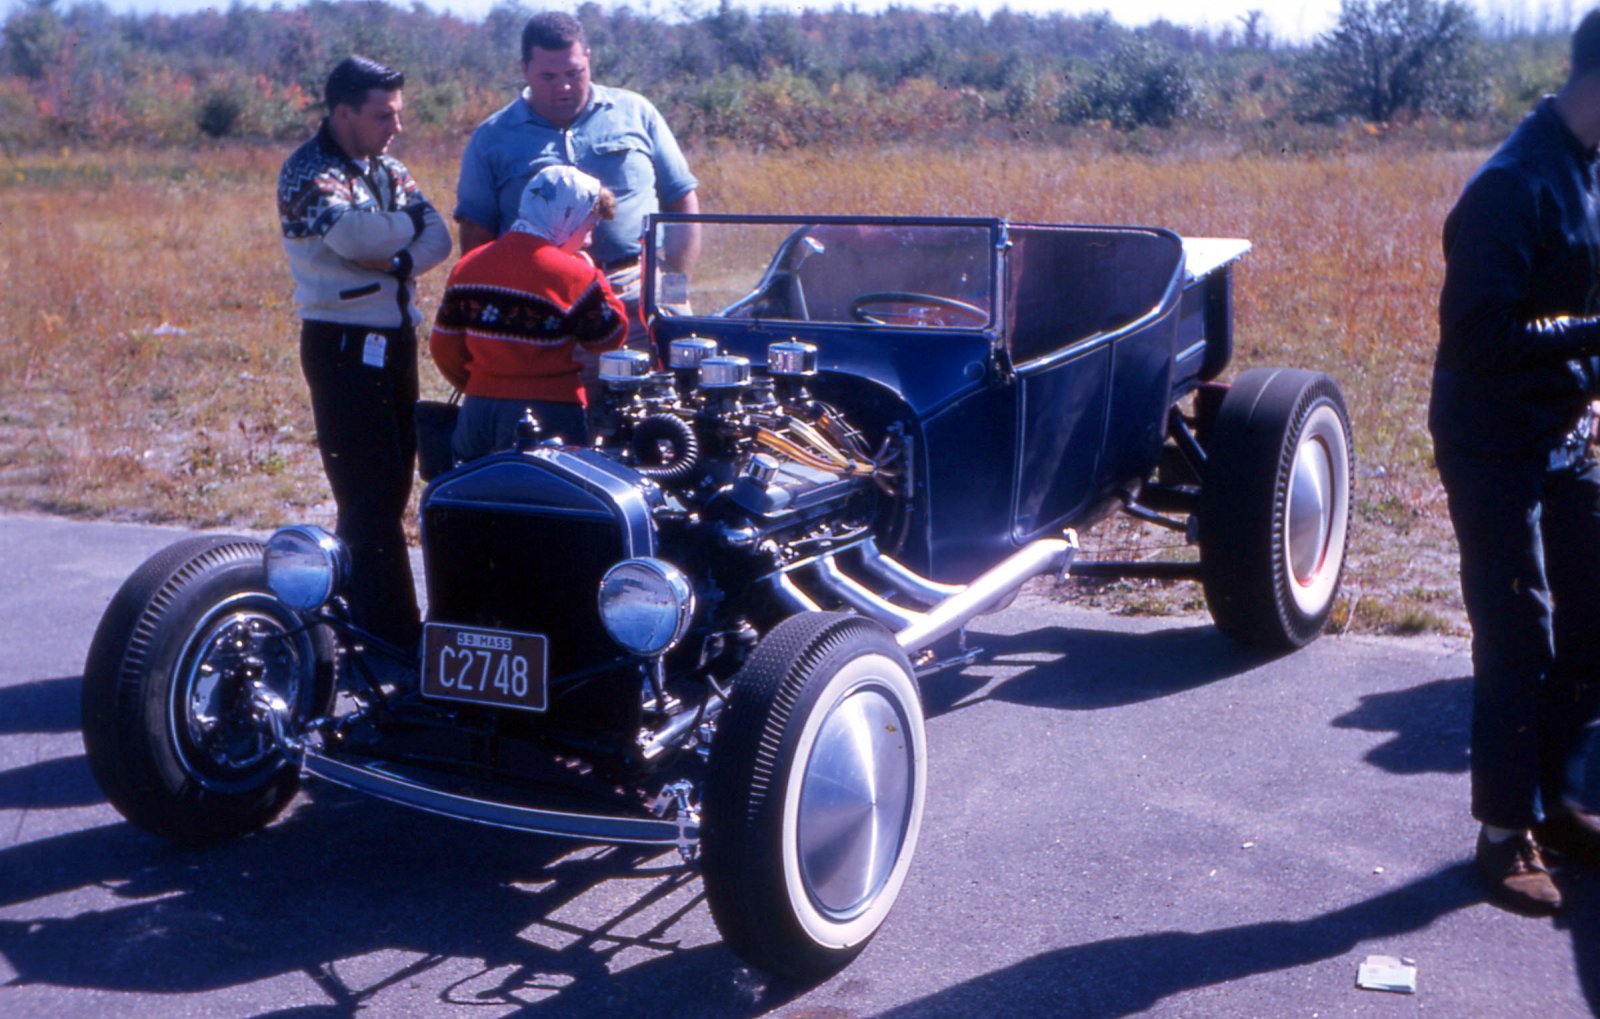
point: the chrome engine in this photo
(730, 444)
(788, 481)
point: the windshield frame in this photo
(651, 281)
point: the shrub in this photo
(220, 112)
(1143, 84)
(1390, 57)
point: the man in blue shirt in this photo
(560, 118)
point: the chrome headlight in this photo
(306, 566)
(646, 605)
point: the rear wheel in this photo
(1275, 507)
(168, 724)
(815, 794)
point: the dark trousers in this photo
(364, 396)
(1530, 575)
(489, 424)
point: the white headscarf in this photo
(556, 203)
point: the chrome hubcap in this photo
(216, 727)
(1310, 502)
(855, 802)
(1317, 510)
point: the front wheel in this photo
(168, 721)
(814, 796)
(1275, 507)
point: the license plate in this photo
(494, 667)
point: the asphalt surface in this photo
(1125, 817)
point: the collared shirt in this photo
(619, 138)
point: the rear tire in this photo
(167, 723)
(815, 794)
(1275, 507)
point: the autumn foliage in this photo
(777, 78)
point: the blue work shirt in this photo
(619, 138)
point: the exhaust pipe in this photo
(855, 594)
(913, 585)
(1048, 555)
(789, 593)
(958, 604)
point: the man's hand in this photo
(398, 265)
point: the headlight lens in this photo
(306, 566)
(646, 605)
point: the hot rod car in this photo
(705, 629)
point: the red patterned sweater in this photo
(512, 315)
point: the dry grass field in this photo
(148, 340)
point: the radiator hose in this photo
(665, 449)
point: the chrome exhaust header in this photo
(913, 585)
(1048, 555)
(855, 594)
(950, 606)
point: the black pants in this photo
(487, 424)
(1530, 558)
(363, 395)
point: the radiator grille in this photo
(523, 571)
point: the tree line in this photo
(770, 78)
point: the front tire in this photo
(814, 798)
(1275, 507)
(167, 721)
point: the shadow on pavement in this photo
(1089, 670)
(43, 705)
(1127, 976)
(533, 918)
(49, 785)
(361, 897)
(1581, 917)
(1431, 725)
(544, 928)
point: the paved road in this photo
(1126, 817)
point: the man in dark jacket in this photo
(1519, 331)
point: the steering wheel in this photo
(903, 308)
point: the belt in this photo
(626, 262)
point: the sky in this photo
(1291, 20)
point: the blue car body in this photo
(1041, 416)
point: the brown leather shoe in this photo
(1572, 833)
(1516, 875)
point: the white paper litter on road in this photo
(1388, 973)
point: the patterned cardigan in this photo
(336, 214)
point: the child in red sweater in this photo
(516, 311)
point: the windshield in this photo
(924, 275)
